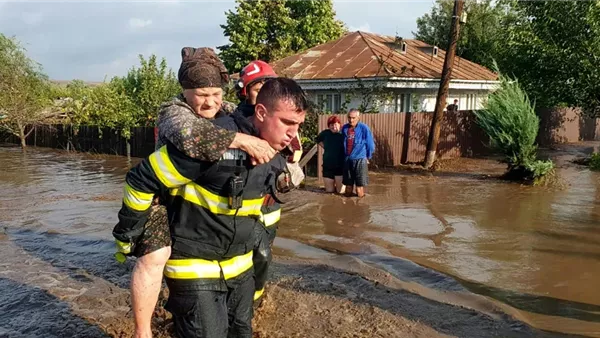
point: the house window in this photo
(402, 103)
(331, 103)
(471, 101)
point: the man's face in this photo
(353, 118)
(206, 102)
(253, 92)
(279, 125)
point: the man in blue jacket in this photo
(359, 147)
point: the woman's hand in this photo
(259, 150)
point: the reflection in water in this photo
(345, 217)
(535, 251)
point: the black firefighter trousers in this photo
(212, 314)
(261, 255)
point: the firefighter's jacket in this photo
(212, 240)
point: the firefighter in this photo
(212, 211)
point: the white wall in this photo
(467, 100)
(415, 101)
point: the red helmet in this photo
(255, 71)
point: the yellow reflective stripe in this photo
(123, 247)
(136, 200)
(270, 218)
(196, 194)
(235, 266)
(165, 170)
(201, 268)
(192, 268)
(259, 293)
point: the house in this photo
(383, 73)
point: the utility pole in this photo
(438, 113)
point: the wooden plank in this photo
(309, 155)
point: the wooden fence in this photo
(91, 139)
(401, 138)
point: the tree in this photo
(124, 102)
(24, 90)
(147, 87)
(510, 121)
(481, 36)
(102, 106)
(554, 49)
(272, 29)
(315, 23)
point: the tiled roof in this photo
(363, 55)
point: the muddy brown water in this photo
(535, 253)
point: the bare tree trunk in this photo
(438, 114)
(22, 135)
(128, 148)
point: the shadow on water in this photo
(539, 304)
(75, 255)
(573, 237)
(408, 271)
(27, 311)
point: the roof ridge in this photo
(381, 62)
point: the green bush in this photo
(539, 168)
(595, 162)
(510, 121)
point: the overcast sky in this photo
(91, 40)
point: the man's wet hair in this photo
(282, 89)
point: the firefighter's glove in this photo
(125, 244)
(123, 250)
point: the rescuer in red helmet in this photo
(250, 82)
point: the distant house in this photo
(383, 73)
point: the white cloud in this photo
(122, 64)
(365, 27)
(137, 23)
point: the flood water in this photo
(533, 251)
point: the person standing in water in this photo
(332, 142)
(359, 147)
